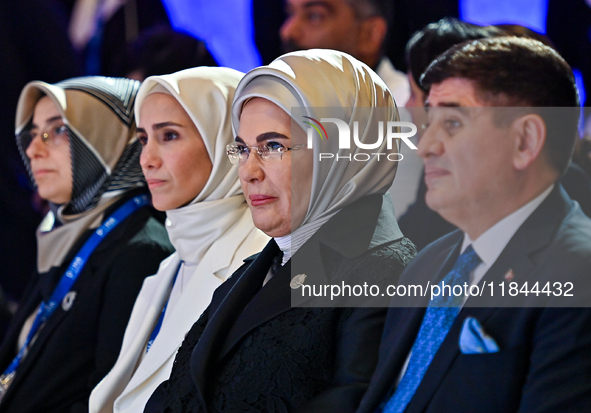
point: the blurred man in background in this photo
(356, 27)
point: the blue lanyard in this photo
(69, 278)
(158, 325)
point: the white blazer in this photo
(128, 386)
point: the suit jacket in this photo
(78, 345)
(544, 362)
(251, 351)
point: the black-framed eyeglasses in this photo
(239, 152)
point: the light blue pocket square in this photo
(474, 340)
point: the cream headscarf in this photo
(205, 93)
(98, 112)
(315, 79)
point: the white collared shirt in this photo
(491, 243)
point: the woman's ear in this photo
(530, 136)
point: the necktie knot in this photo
(467, 262)
(458, 276)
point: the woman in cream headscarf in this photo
(331, 221)
(95, 246)
(184, 124)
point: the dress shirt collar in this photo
(493, 241)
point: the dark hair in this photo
(512, 71)
(522, 31)
(427, 44)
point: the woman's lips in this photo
(155, 183)
(41, 172)
(258, 200)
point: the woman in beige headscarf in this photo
(255, 348)
(95, 246)
(184, 124)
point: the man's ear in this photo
(530, 136)
(371, 37)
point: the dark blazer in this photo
(544, 362)
(77, 347)
(251, 351)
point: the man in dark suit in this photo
(493, 173)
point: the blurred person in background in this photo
(159, 51)
(356, 27)
(99, 30)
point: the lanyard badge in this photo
(67, 280)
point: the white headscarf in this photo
(212, 236)
(205, 93)
(315, 79)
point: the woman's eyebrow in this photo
(164, 125)
(270, 135)
(54, 118)
(50, 120)
(264, 137)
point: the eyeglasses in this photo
(238, 152)
(53, 135)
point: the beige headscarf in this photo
(98, 113)
(316, 79)
(205, 93)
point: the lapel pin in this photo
(297, 281)
(509, 275)
(68, 300)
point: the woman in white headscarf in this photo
(184, 124)
(96, 245)
(255, 348)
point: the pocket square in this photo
(474, 340)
